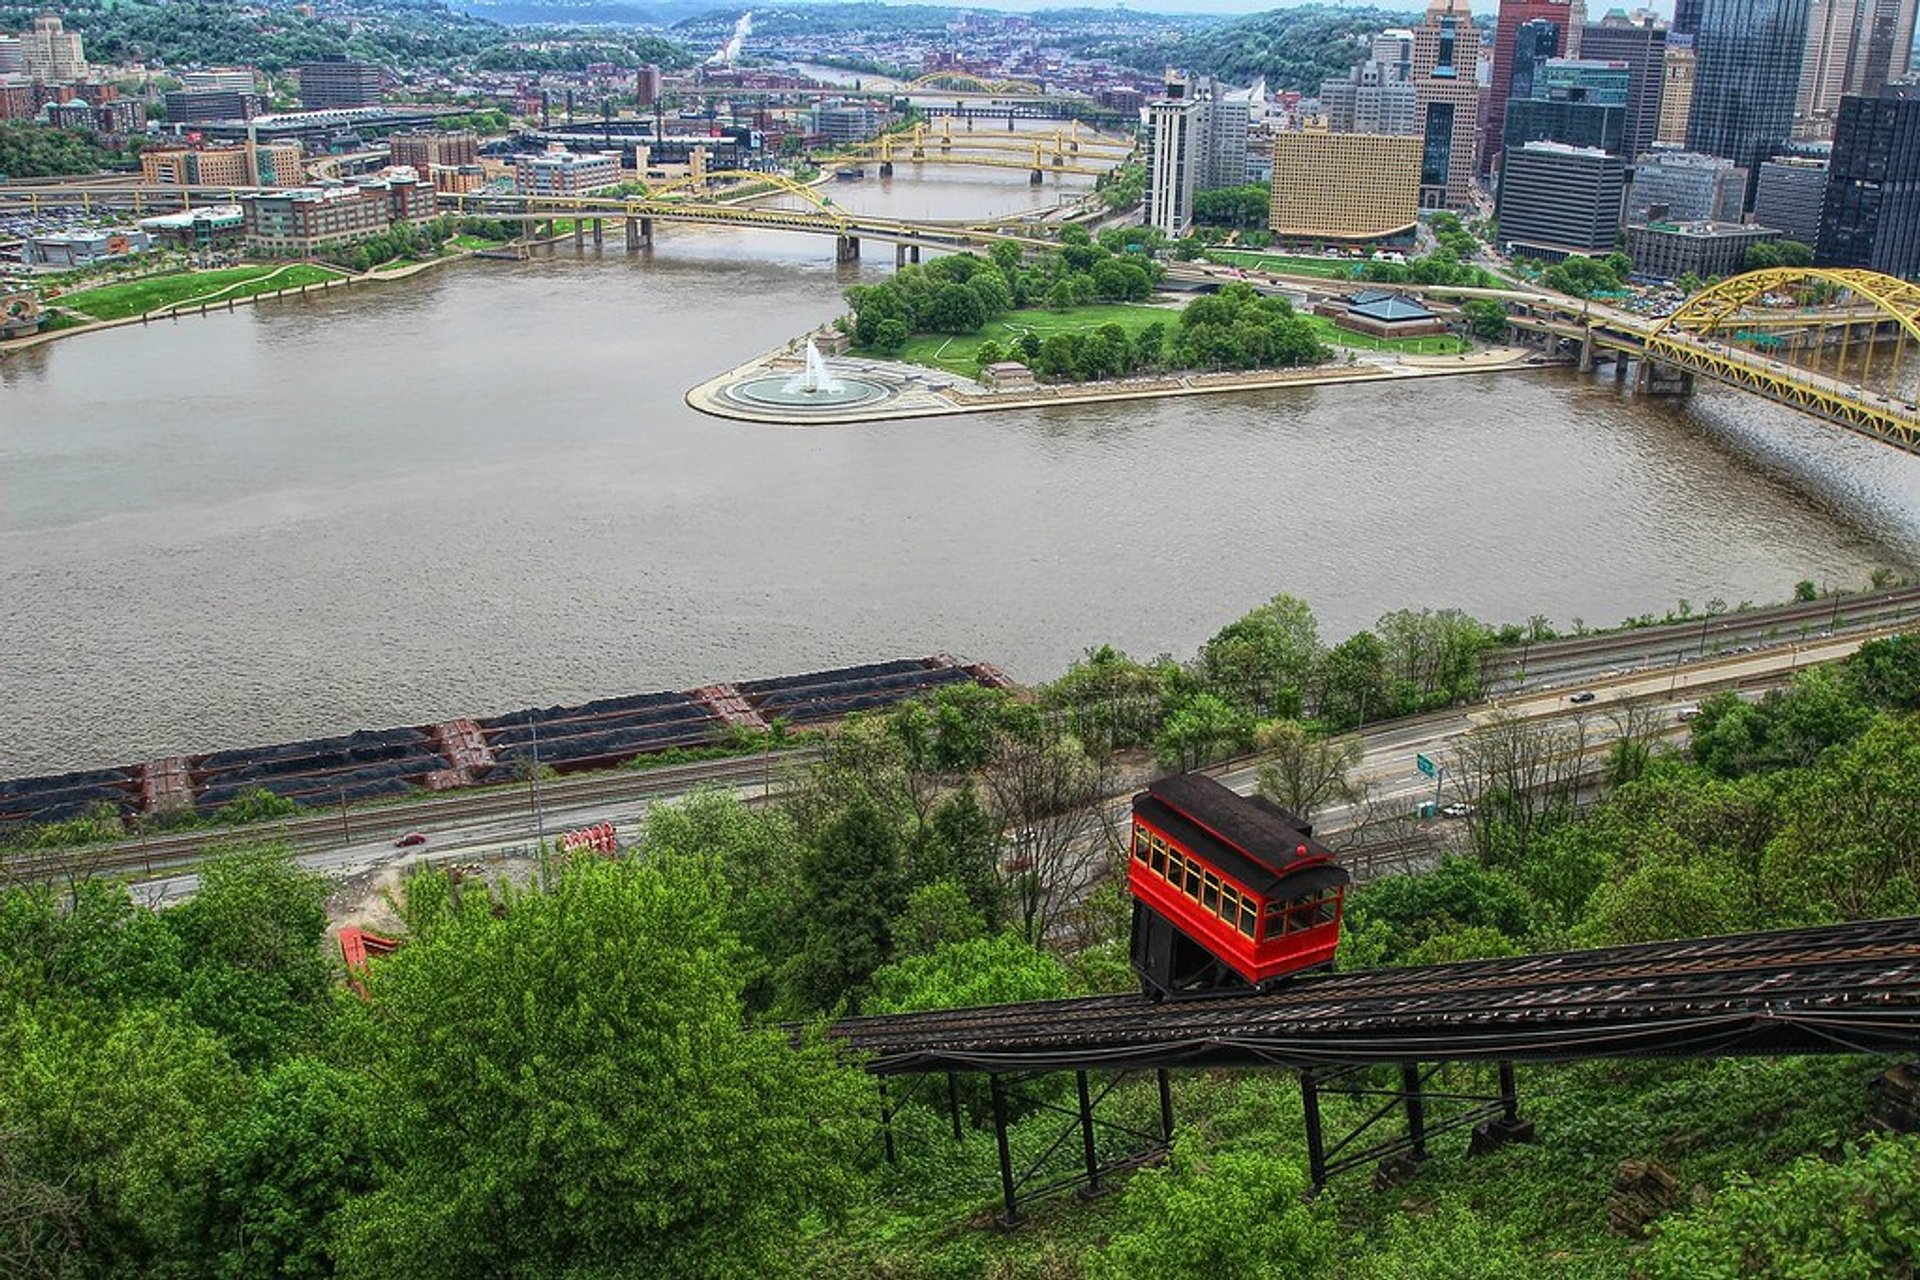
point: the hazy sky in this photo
(1594, 7)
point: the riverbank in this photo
(918, 392)
(174, 311)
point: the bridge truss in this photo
(1843, 344)
(965, 83)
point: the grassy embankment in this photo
(191, 288)
(957, 354)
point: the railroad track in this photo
(1835, 611)
(1837, 988)
(173, 853)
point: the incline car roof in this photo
(1254, 840)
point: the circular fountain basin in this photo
(778, 391)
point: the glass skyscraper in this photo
(1746, 78)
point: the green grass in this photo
(958, 354)
(138, 297)
(1334, 336)
(464, 241)
(1285, 264)
(955, 354)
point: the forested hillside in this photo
(408, 34)
(587, 1075)
(1292, 48)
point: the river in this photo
(480, 489)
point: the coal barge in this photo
(375, 763)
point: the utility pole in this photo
(533, 783)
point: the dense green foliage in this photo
(1293, 48)
(31, 151)
(407, 35)
(581, 1077)
(1589, 277)
(1778, 253)
(1245, 206)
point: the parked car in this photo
(1456, 810)
(1585, 695)
(410, 839)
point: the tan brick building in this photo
(1344, 186)
(269, 164)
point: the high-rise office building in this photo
(1172, 141)
(1833, 27)
(646, 85)
(1533, 45)
(1394, 47)
(1370, 99)
(1676, 90)
(1642, 49)
(1572, 121)
(339, 81)
(1885, 44)
(1446, 61)
(1871, 217)
(1747, 78)
(52, 54)
(229, 79)
(188, 106)
(1789, 196)
(1344, 186)
(13, 56)
(1197, 141)
(1567, 15)
(1585, 80)
(1684, 186)
(1557, 200)
(1686, 17)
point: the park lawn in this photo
(465, 241)
(952, 353)
(1284, 264)
(1333, 335)
(137, 297)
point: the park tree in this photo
(1886, 673)
(1107, 700)
(567, 1087)
(1488, 316)
(890, 337)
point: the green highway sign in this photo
(1427, 766)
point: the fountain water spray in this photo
(816, 378)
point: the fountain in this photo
(814, 389)
(815, 378)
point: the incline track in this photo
(1827, 989)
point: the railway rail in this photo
(1834, 611)
(1848, 988)
(172, 853)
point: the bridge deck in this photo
(1831, 989)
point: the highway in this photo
(1639, 668)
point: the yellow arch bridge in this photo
(1038, 154)
(1838, 343)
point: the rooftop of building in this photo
(206, 213)
(1703, 229)
(1377, 304)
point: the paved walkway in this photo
(919, 392)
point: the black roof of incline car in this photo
(1252, 839)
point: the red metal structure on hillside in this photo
(1229, 892)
